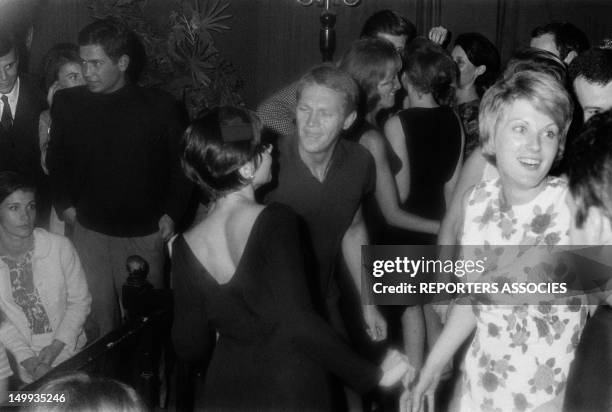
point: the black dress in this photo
(273, 350)
(433, 142)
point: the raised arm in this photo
(461, 323)
(386, 190)
(470, 175)
(449, 187)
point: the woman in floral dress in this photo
(520, 355)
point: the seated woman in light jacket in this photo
(43, 291)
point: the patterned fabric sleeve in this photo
(278, 111)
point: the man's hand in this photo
(69, 216)
(438, 35)
(48, 354)
(375, 323)
(166, 227)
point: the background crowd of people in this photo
(405, 140)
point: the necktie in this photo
(7, 117)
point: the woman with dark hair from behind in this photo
(428, 138)
(81, 392)
(240, 272)
(478, 62)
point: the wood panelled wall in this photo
(272, 42)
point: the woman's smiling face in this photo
(525, 146)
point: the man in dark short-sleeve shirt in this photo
(324, 179)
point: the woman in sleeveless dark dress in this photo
(428, 139)
(239, 272)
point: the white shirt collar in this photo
(13, 97)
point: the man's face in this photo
(593, 97)
(545, 42)
(399, 42)
(101, 73)
(320, 118)
(9, 64)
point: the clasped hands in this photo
(37, 366)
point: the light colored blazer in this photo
(60, 280)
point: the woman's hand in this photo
(396, 367)
(35, 368)
(48, 354)
(425, 389)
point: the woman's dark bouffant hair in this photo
(55, 58)
(10, 182)
(481, 52)
(430, 69)
(216, 145)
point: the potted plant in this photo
(182, 58)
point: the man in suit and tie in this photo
(21, 103)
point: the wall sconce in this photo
(327, 34)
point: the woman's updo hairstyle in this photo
(215, 147)
(481, 52)
(429, 69)
(11, 182)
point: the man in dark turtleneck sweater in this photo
(114, 166)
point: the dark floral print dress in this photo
(520, 355)
(26, 295)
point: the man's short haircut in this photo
(537, 60)
(389, 22)
(543, 91)
(590, 167)
(595, 66)
(331, 77)
(567, 37)
(55, 58)
(481, 52)
(368, 61)
(6, 42)
(115, 37)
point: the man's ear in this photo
(348, 121)
(570, 56)
(480, 70)
(123, 62)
